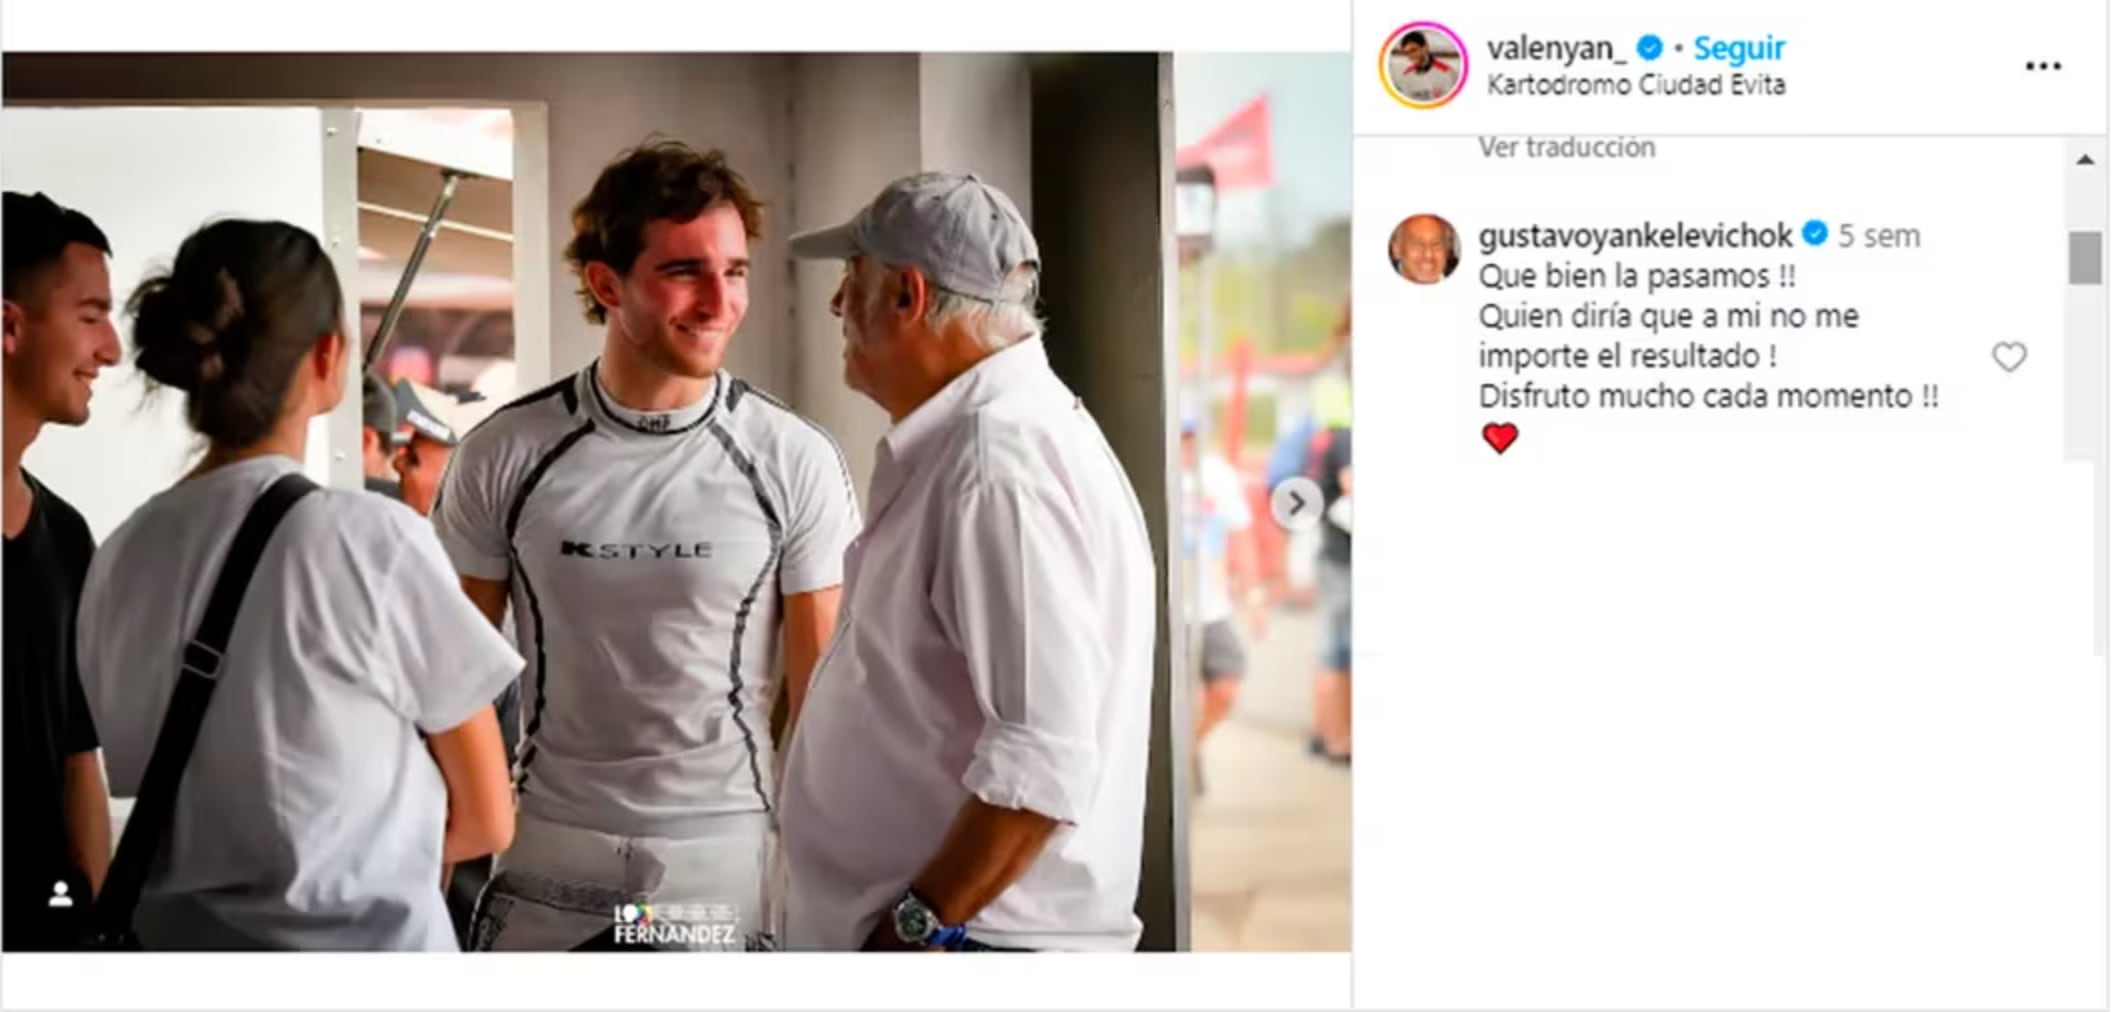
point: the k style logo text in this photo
(607, 550)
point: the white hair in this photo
(995, 325)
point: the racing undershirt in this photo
(646, 556)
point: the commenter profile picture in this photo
(1424, 249)
(1424, 64)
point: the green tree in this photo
(1286, 301)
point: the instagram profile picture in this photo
(1424, 249)
(1423, 64)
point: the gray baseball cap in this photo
(962, 233)
(419, 406)
(379, 408)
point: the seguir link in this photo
(1733, 53)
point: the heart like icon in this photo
(1500, 436)
(2009, 355)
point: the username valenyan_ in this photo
(1732, 54)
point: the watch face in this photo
(913, 923)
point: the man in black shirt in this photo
(58, 337)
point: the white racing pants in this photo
(560, 886)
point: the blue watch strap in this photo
(944, 937)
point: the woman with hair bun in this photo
(349, 753)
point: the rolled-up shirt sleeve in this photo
(1014, 593)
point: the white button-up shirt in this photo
(995, 642)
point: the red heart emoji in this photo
(1500, 436)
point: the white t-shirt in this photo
(647, 555)
(1216, 510)
(1428, 85)
(311, 813)
(996, 641)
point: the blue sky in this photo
(1309, 95)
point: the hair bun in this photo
(226, 316)
(186, 329)
(208, 363)
(246, 303)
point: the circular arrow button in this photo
(1296, 503)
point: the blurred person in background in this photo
(1329, 467)
(432, 425)
(1219, 539)
(59, 337)
(350, 752)
(1297, 453)
(378, 438)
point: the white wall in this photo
(150, 177)
(591, 106)
(978, 117)
(854, 128)
(816, 135)
(602, 104)
(859, 122)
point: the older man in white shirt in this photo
(968, 771)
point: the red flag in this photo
(1237, 151)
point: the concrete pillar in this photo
(1083, 145)
(1103, 182)
(854, 127)
(860, 121)
(977, 116)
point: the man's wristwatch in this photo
(916, 923)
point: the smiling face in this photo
(684, 297)
(60, 337)
(1424, 246)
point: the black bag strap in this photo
(155, 804)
